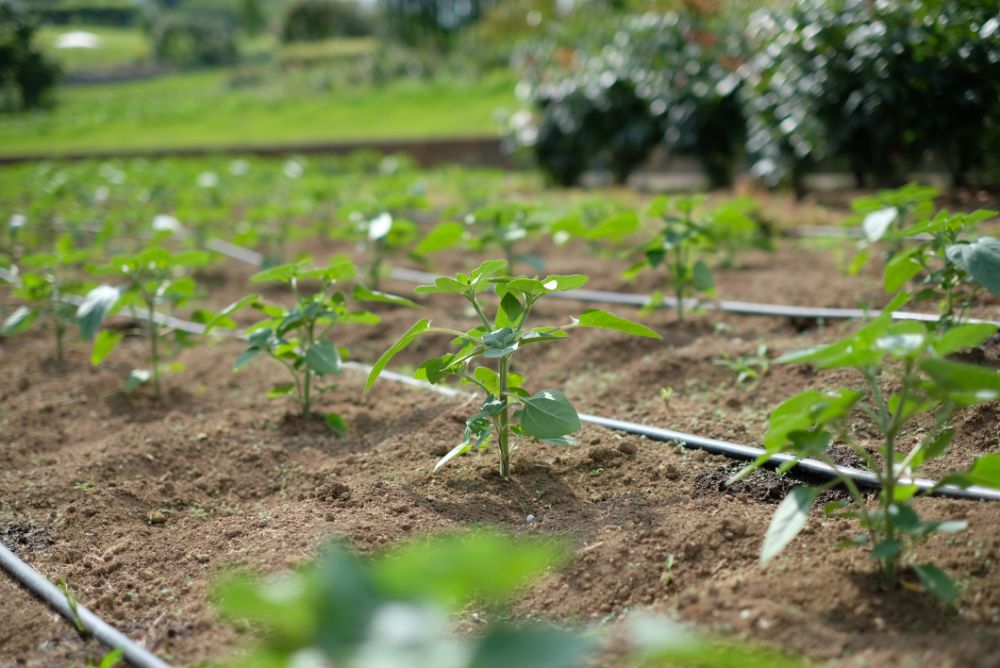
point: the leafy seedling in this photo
(677, 247)
(298, 337)
(47, 285)
(547, 415)
(746, 367)
(911, 358)
(156, 281)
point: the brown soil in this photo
(140, 504)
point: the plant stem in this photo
(503, 422)
(307, 383)
(154, 336)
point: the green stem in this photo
(154, 342)
(479, 311)
(503, 422)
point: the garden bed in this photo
(140, 505)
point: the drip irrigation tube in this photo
(639, 300)
(135, 654)
(718, 447)
(726, 306)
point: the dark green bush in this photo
(433, 24)
(314, 20)
(27, 77)
(656, 79)
(118, 13)
(873, 84)
(187, 41)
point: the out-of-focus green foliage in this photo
(313, 20)
(26, 76)
(604, 101)
(878, 84)
(189, 41)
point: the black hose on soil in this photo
(135, 654)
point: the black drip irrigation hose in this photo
(733, 450)
(135, 654)
(726, 306)
(715, 446)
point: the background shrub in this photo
(188, 41)
(314, 20)
(27, 78)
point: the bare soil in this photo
(140, 504)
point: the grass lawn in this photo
(117, 48)
(208, 108)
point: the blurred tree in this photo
(27, 77)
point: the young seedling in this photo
(297, 337)
(547, 415)
(154, 277)
(911, 358)
(885, 216)
(677, 246)
(951, 269)
(377, 236)
(746, 367)
(46, 285)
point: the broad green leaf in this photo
(104, 343)
(985, 471)
(615, 228)
(532, 648)
(549, 414)
(459, 449)
(441, 237)
(280, 390)
(961, 337)
(564, 283)
(363, 294)
(981, 259)
(966, 384)
(509, 312)
(94, 308)
(336, 424)
(283, 273)
(937, 582)
(444, 285)
(886, 549)
(788, 521)
(20, 318)
(877, 223)
(702, 278)
(323, 358)
(598, 319)
(406, 339)
(900, 269)
(245, 357)
(452, 570)
(137, 377)
(222, 319)
(500, 343)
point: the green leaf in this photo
(937, 582)
(94, 308)
(962, 337)
(104, 343)
(361, 293)
(981, 259)
(452, 570)
(531, 648)
(877, 223)
(406, 339)
(900, 269)
(564, 282)
(245, 357)
(702, 278)
(965, 384)
(549, 414)
(283, 273)
(280, 390)
(137, 377)
(500, 343)
(442, 285)
(323, 358)
(21, 318)
(985, 471)
(509, 312)
(788, 521)
(222, 319)
(336, 424)
(598, 319)
(886, 549)
(441, 237)
(459, 449)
